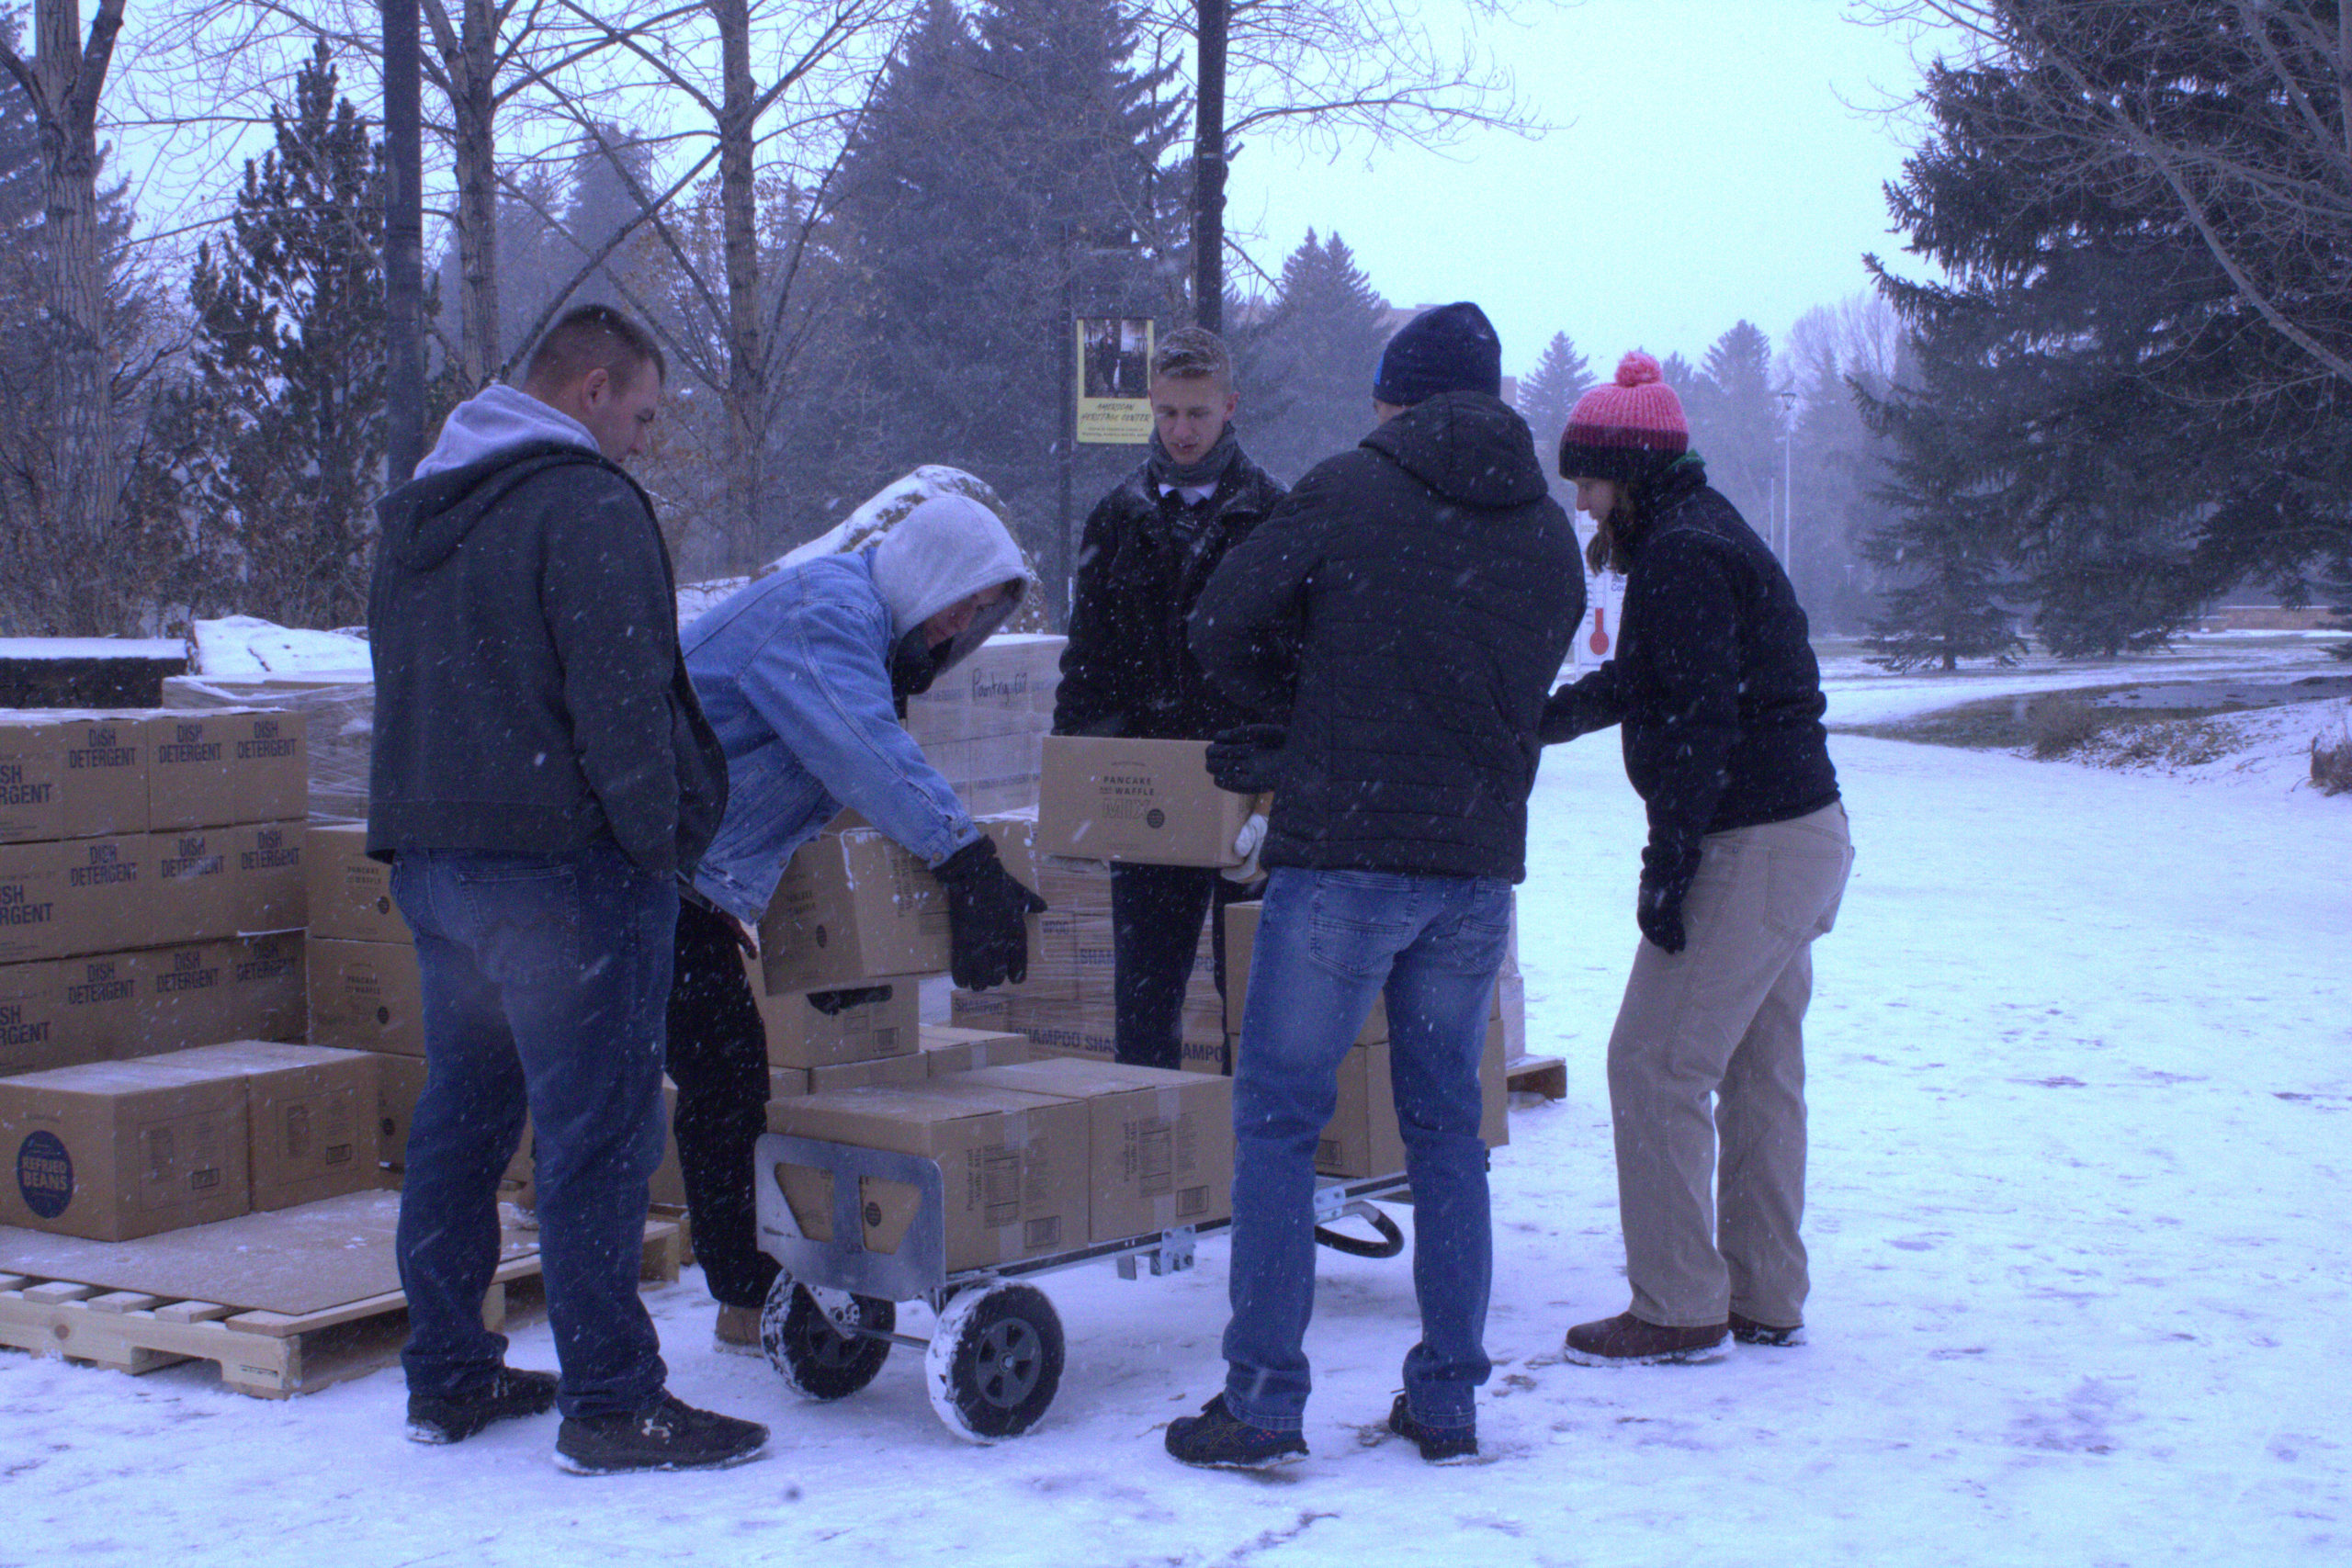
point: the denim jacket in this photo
(794, 673)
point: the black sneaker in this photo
(668, 1434)
(1439, 1445)
(1219, 1438)
(1748, 1331)
(455, 1418)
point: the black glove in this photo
(1659, 912)
(1247, 759)
(986, 908)
(830, 1002)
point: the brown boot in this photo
(736, 1333)
(1626, 1340)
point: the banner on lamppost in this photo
(1113, 385)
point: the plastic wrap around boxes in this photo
(339, 728)
(150, 883)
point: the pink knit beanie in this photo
(1627, 429)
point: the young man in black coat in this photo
(1148, 549)
(542, 776)
(1394, 629)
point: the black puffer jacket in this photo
(1714, 680)
(529, 693)
(1403, 612)
(1141, 565)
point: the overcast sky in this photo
(1718, 159)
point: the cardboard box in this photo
(1013, 1167)
(117, 1150)
(209, 992)
(667, 1189)
(365, 996)
(267, 890)
(79, 895)
(215, 767)
(350, 897)
(71, 775)
(33, 1037)
(99, 1003)
(1160, 1143)
(1066, 1029)
(218, 882)
(801, 1036)
(853, 904)
(947, 1049)
(1013, 673)
(1151, 801)
(883, 1072)
(311, 1116)
(787, 1083)
(989, 1011)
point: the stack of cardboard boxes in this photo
(151, 900)
(983, 725)
(150, 883)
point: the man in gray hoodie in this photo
(542, 775)
(805, 675)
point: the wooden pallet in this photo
(1546, 1075)
(272, 1355)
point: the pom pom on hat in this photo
(1638, 369)
(1626, 429)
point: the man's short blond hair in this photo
(1193, 352)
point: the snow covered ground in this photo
(2081, 1065)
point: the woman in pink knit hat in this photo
(1716, 694)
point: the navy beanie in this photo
(1446, 348)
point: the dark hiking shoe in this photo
(1748, 1331)
(1439, 1445)
(1220, 1439)
(1626, 1340)
(456, 1418)
(669, 1433)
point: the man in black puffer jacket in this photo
(542, 775)
(1393, 627)
(1149, 548)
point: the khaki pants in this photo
(1725, 1017)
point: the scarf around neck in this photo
(1210, 471)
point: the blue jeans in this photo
(544, 978)
(1329, 941)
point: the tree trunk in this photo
(469, 56)
(79, 494)
(739, 204)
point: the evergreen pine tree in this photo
(1549, 394)
(289, 359)
(1942, 550)
(1010, 169)
(1319, 354)
(1736, 421)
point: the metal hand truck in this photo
(994, 1361)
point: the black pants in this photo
(719, 1060)
(1155, 914)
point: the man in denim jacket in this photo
(804, 674)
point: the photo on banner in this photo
(1114, 379)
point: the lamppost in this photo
(1788, 396)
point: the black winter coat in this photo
(1713, 680)
(529, 693)
(1403, 613)
(1142, 563)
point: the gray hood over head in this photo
(946, 549)
(497, 417)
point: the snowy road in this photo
(2082, 1069)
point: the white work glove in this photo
(1246, 844)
